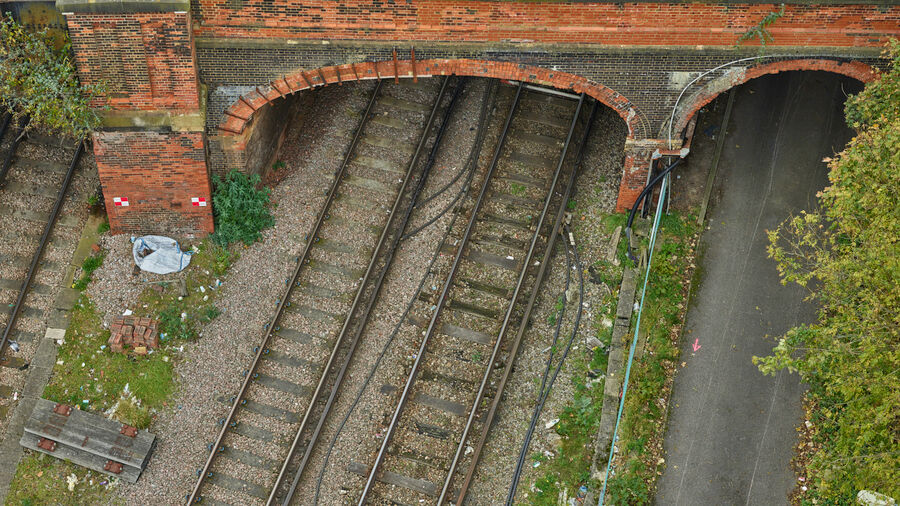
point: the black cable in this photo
(472, 160)
(546, 393)
(443, 211)
(637, 203)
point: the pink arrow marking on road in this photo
(696, 344)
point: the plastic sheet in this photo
(159, 254)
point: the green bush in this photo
(40, 82)
(240, 209)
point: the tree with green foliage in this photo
(39, 82)
(848, 254)
(240, 209)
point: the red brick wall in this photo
(159, 174)
(147, 59)
(632, 24)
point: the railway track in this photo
(35, 245)
(267, 437)
(464, 325)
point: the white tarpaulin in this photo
(159, 254)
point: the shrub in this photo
(240, 209)
(40, 82)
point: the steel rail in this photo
(523, 325)
(36, 258)
(546, 387)
(515, 297)
(6, 119)
(363, 317)
(379, 458)
(474, 153)
(7, 160)
(301, 261)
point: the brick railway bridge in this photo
(196, 86)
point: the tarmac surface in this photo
(731, 429)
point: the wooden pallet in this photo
(88, 440)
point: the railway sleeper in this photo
(442, 405)
(391, 478)
(238, 485)
(472, 309)
(264, 410)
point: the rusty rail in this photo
(45, 236)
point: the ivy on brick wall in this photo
(39, 84)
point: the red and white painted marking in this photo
(198, 201)
(120, 201)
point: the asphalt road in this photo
(731, 430)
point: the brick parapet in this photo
(159, 173)
(145, 60)
(605, 23)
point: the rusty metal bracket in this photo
(337, 72)
(113, 467)
(62, 409)
(305, 79)
(321, 76)
(128, 430)
(286, 83)
(47, 444)
(248, 104)
(412, 55)
(396, 71)
(353, 68)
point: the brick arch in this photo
(739, 75)
(241, 112)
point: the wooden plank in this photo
(129, 474)
(91, 433)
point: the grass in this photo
(90, 264)
(643, 420)
(132, 388)
(167, 304)
(569, 467)
(517, 189)
(87, 374)
(103, 227)
(41, 479)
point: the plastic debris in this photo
(71, 481)
(551, 423)
(159, 254)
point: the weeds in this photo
(90, 264)
(240, 209)
(644, 415)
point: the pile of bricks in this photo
(131, 332)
